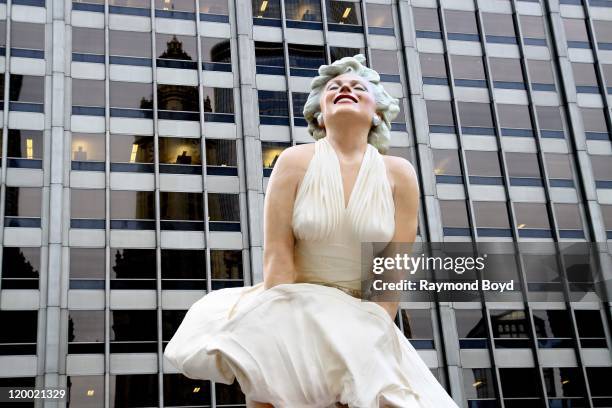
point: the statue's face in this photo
(348, 97)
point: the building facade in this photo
(138, 137)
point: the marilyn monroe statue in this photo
(303, 337)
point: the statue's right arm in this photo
(278, 263)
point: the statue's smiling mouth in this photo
(345, 96)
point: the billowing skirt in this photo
(303, 345)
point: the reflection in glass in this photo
(214, 7)
(130, 43)
(218, 100)
(131, 149)
(478, 384)
(379, 15)
(85, 326)
(226, 264)
(269, 54)
(177, 98)
(175, 5)
(133, 325)
(122, 389)
(306, 56)
(130, 3)
(20, 262)
(216, 49)
(531, 215)
(273, 103)
(509, 324)
(174, 150)
(132, 263)
(176, 47)
(337, 53)
(303, 10)
(88, 147)
(131, 95)
(446, 162)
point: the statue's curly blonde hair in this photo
(386, 105)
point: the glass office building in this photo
(138, 137)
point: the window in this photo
(476, 118)
(214, 7)
(532, 220)
(138, 6)
(533, 30)
(603, 33)
(85, 390)
(183, 269)
(129, 44)
(418, 327)
(131, 153)
(21, 339)
(483, 167)
(602, 168)
(122, 390)
(266, 9)
(221, 157)
(182, 211)
(522, 167)
(226, 268)
(550, 121)
(564, 386)
(514, 120)
(344, 16)
(128, 206)
(131, 99)
(520, 387)
(27, 93)
(387, 64)
(559, 169)
(87, 268)
(461, 25)
(87, 41)
(87, 208)
(454, 217)
(552, 328)
(594, 122)
(543, 278)
(23, 147)
(273, 108)
(576, 33)
(133, 331)
(218, 104)
(506, 73)
(606, 211)
(3, 36)
(569, 220)
(599, 384)
(229, 394)
(88, 147)
(20, 267)
(510, 328)
(499, 28)
(305, 60)
(216, 54)
(180, 151)
(22, 207)
(224, 212)
(178, 102)
(447, 166)
(585, 77)
(132, 268)
(337, 53)
(269, 58)
(440, 117)
(468, 71)
(270, 151)
(88, 97)
(471, 328)
(380, 18)
(176, 51)
(433, 69)
(185, 6)
(27, 39)
(478, 385)
(492, 218)
(303, 10)
(426, 22)
(182, 391)
(541, 75)
(590, 328)
(86, 331)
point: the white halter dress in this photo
(309, 344)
